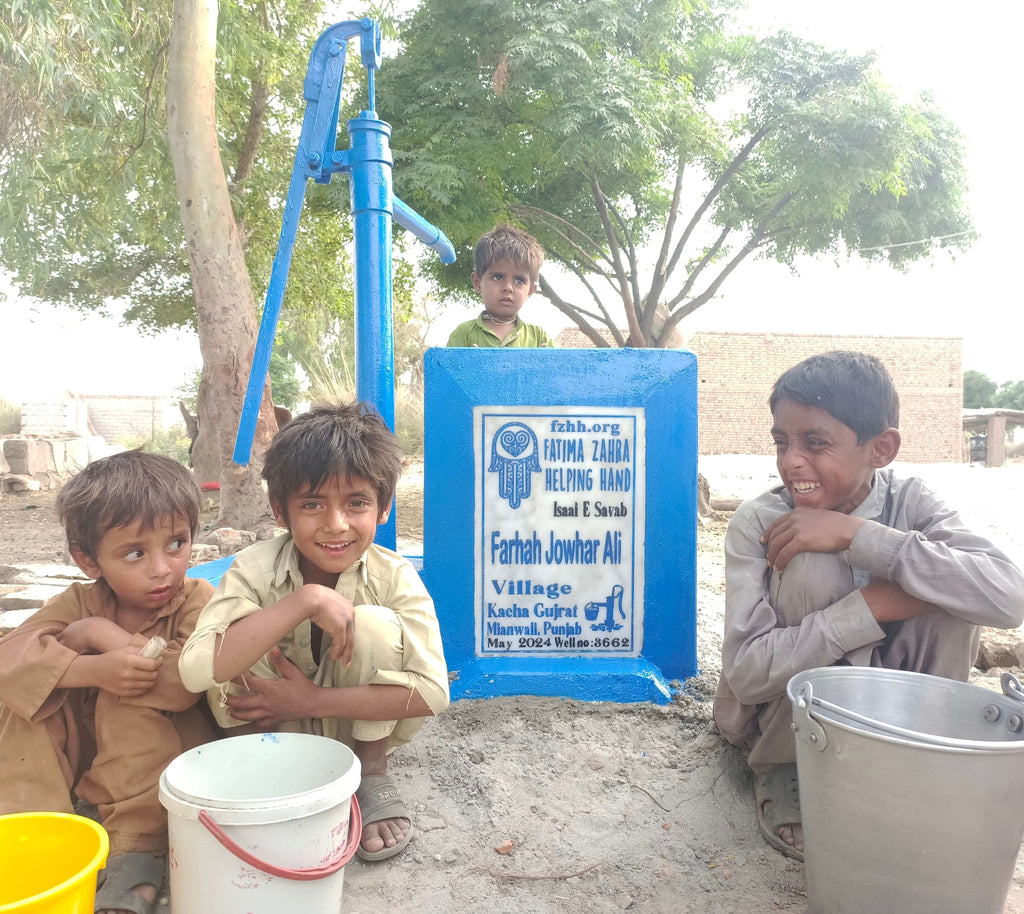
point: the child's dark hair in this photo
(129, 487)
(506, 242)
(852, 387)
(349, 439)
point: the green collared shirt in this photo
(477, 333)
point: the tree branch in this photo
(752, 244)
(709, 255)
(631, 319)
(562, 227)
(712, 194)
(147, 96)
(604, 317)
(633, 276)
(661, 276)
(574, 315)
(253, 131)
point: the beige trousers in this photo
(378, 647)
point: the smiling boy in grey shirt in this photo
(843, 564)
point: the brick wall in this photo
(736, 372)
(126, 417)
(54, 417)
(115, 418)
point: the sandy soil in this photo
(29, 529)
(526, 804)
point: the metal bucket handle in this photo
(804, 724)
(807, 727)
(1012, 687)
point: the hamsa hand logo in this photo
(514, 458)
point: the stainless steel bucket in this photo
(911, 790)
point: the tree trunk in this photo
(205, 450)
(225, 312)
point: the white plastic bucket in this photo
(261, 824)
(911, 790)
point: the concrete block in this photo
(15, 482)
(16, 454)
(1000, 648)
(31, 597)
(228, 540)
(202, 553)
(76, 454)
(12, 618)
(45, 572)
(28, 456)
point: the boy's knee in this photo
(377, 627)
(378, 644)
(809, 582)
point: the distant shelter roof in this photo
(979, 418)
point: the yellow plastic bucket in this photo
(49, 862)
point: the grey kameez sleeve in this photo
(759, 653)
(932, 555)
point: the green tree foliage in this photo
(284, 382)
(87, 204)
(653, 150)
(979, 389)
(10, 417)
(1010, 395)
(99, 98)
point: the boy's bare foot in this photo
(385, 833)
(386, 824)
(793, 835)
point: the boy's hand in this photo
(94, 635)
(124, 673)
(76, 635)
(272, 702)
(336, 615)
(889, 602)
(808, 530)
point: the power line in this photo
(904, 244)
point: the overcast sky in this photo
(967, 60)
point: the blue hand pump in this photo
(368, 161)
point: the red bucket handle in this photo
(355, 832)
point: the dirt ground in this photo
(29, 529)
(534, 805)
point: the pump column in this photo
(370, 183)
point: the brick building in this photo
(736, 372)
(117, 418)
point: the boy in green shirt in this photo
(507, 263)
